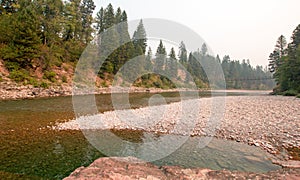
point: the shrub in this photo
(290, 93)
(103, 84)
(19, 75)
(64, 79)
(12, 66)
(50, 75)
(298, 96)
(33, 82)
(44, 85)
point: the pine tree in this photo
(171, 65)
(25, 42)
(182, 53)
(100, 21)
(73, 24)
(87, 8)
(118, 15)
(204, 49)
(50, 14)
(218, 59)
(126, 50)
(109, 43)
(160, 57)
(123, 28)
(109, 17)
(148, 60)
(139, 37)
(292, 67)
(281, 46)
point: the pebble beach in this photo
(269, 122)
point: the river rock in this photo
(116, 168)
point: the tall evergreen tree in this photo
(73, 24)
(109, 17)
(182, 53)
(204, 49)
(171, 65)
(148, 60)
(126, 49)
(139, 37)
(99, 21)
(160, 57)
(25, 41)
(87, 8)
(50, 14)
(281, 46)
(109, 42)
(292, 67)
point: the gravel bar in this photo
(270, 122)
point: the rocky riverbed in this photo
(269, 122)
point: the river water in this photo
(29, 149)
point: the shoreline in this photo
(13, 91)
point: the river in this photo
(30, 149)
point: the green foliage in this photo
(160, 57)
(47, 33)
(64, 79)
(50, 75)
(19, 75)
(284, 62)
(298, 96)
(12, 66)
(44, 85)
(86, 8)
(140, 38)
(290, 93)
(32, 81)
(182, 53)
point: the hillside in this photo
(41, 43)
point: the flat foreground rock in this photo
(132, 168)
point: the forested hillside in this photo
(40, 39)
(284, 62)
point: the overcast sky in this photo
(243, 29)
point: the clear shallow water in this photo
(29, 150)
(218, 154)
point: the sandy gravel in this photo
(270, 122)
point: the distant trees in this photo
(47, 33)
(284, 63)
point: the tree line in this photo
(48, 33)
(284, 63)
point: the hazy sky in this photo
(243, 29)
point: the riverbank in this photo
(13, 91)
